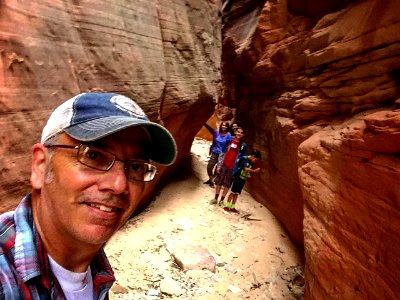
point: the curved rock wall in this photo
(163, 54)
(316, 87)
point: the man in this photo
(88, 175)
(233, 129)
(226, 162)
(243, 169)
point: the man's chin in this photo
(98, 235)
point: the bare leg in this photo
(217, 189)
(226, 190)
(234, 198)
(229, 199)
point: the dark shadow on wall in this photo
(315, 10)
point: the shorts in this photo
(237, 186)
(224, 177)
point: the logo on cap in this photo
(126, 104)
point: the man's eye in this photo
(137, 167)
(94, 155)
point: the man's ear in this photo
(39, 154)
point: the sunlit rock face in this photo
(163, 54)
(316, 84)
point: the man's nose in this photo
(116, 179)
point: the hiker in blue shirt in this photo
(221, 139)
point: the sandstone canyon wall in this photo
(315, 84)
(164, 54)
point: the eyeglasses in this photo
(103, 160)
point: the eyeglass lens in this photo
(102, 160)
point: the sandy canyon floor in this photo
(253, 256)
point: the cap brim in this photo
(163, 147)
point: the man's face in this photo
(253, 159)
(239, 133)
(84, 205)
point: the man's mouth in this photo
(103, 207)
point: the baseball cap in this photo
(91, 116)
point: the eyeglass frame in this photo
(150, 167)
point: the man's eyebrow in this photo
(97, 144)
(141, 155)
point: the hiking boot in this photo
(214, 201)
(234, 210)
(221, 203)
(207, 182)
(212, 184)
(227, 209)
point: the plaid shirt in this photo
(25, 271)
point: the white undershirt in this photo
(76, 286)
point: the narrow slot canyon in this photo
(315, 87)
